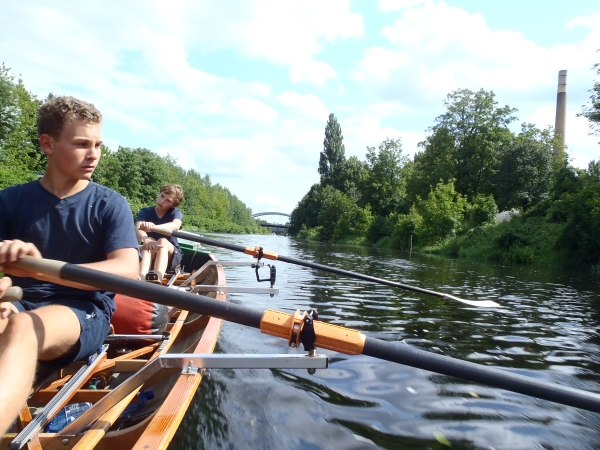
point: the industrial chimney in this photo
(561, 108)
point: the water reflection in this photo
(548, 328)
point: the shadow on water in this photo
(548, 328)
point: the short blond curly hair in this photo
(56, 112)
(173, 189)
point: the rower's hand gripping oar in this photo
(296, 328)
(254, 251)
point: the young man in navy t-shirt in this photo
(62, 216)
(163, 250)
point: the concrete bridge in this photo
(272, 224)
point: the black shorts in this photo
(94, 323)
(177, 257)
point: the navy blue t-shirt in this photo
(149, 215)
(82, 228)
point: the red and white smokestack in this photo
(561, 108)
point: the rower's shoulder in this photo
(103, 192)
(19, 190)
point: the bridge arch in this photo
(270, 214)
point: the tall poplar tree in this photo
(333, 156)
(592, 111)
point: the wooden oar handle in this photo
(255, 253)
(12, 294)
(48, 267)
(329, 336)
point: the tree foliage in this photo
(385, 186)
(592, 110)
(443, 212)
(9, 108)
(524, 172)
(434, 163)
(479, 128)
(333, 156)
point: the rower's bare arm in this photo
(175, 225)
(142, 227)
(122, 262)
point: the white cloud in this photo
(364, 130)
(437, 48)
(253, 109)
(285, 33)
(308, 105)
(257, 169)
(316, 72)
(378, 62)
(397, 5)
(385, 109)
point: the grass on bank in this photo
(524, 239)
(520, 240)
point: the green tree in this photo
(336, 206)
(352, 177)
(592, 110)
(307, 210)
(482, 210)
(526, 165)
(333, 156)
(580, 238)
(443, 212)
(9, 104)
(385, 186)
(478, 128)
(434, 163)
(108, 171)
(408, 227)
(21, 158)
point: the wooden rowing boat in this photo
(152, 425)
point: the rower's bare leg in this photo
(145, 263)
(163, 256)
(50, 332)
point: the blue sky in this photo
(241, 90)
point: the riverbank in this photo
(526, 239)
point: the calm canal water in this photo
(548, 329)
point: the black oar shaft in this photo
(158, 294)
(393, 352)
(197, 238)
(310, 265)
(356, 275)
(500, 378)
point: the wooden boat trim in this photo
(169, 415)
(102, 425)
(24, 417)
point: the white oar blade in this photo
(480, 303)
